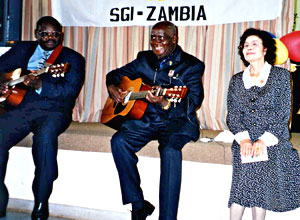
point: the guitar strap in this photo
(54, 55)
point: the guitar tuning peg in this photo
(54, 75)
(171, 100)
(179, 100)
(62, 64)
(62, 75)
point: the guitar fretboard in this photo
(15, 81)
(143, 94)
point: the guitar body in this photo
(114, 114)
(139, 106)
(15, 94)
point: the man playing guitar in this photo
(172, 124)
(45, 110)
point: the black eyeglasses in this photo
(159, 38)
(50, 33)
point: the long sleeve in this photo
(130, 70)
(17, 56)
(234, 115)
(277, 123)
(194, 84)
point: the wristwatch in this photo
(167, 106)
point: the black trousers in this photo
(134, 135)
(46, 127)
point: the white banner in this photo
(109, 13)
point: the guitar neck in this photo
(143, 94)
(15, 81)
(21, 78)
(138, 95)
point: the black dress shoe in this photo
(2, 214)
(142, 214)
(40, 211)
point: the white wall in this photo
(90, 180)
(3, 50)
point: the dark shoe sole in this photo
(2, 214)
(149, 208)
(143, 213)
(39, 218)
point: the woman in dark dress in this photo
(266, 170)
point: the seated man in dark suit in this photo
(172, 124)
(45, 110)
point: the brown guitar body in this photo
(114, 114)
(15, 95)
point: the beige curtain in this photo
(108, 48)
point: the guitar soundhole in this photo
(119, 108)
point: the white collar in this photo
(260, 81)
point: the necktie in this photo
(42, 61)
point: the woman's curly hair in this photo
(268, 43)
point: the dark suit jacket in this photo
(187, 72)
(58, 94)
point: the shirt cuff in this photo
(241, 136)
(269, 139)
(39, 91)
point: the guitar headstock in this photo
(176, 93)
(59, 70)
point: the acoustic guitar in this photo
(16, 92)
(114, 114)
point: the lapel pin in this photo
(171, 73)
